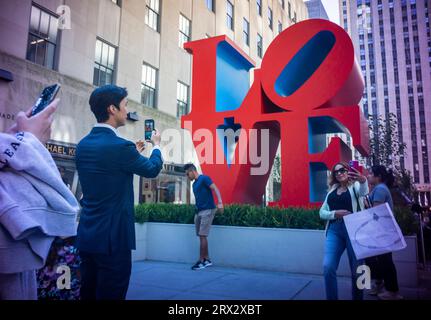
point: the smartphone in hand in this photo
(149, 128)
(46, 97)
(354, 164)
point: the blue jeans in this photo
(337, 240)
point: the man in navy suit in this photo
(106, 164)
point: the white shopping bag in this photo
(374, 231)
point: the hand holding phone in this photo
(355, 172)
(354, 164)
(39, 125)
(156, 138)
(46, 97)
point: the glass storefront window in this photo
(171, 186)
(64, 158)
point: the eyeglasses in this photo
(340, 171)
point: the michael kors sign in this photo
(61, 150)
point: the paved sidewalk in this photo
(176, 281)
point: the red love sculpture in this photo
(309, 85)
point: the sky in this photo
(331, 7)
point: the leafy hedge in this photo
(407, 222)
(253, 216)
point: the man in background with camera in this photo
(106, 164)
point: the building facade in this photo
(316, 10)
(393, 44)
(136, 44)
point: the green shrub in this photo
(253, 216)
(234, 215)
(406, 220)
(164, 212)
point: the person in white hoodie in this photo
(35, 205)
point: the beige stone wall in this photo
(73, 119)
(124, 27)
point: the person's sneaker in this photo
(198, 265)
(389, 295)
(376, 288)
(207, 263)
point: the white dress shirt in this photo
(105, 125)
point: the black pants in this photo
(105, 276)
(427, 241)
(383, 268)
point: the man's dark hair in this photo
(189, 166)
(386, 176)
(103, 97)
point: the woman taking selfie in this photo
(347, 187)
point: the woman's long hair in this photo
(332, 179)
(386, 176)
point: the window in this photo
(280, 27)
(182, 99)
(210, 5)
(259, 46)
(259, 7)
(42, 38)
(270, 17)
(149, 86)
(418, 75)
(184, 33)
(282, 3)
(153, 14)
(289, 10)
(117, 2)
(229, 15)
(104, 64)
(246, 32)
(409, 75)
